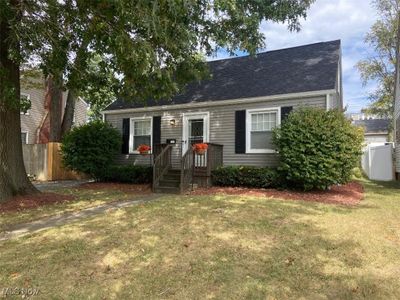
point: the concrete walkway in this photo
(66, 218)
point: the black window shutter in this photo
(285, 111)
(240, 131)
(125, 136)
(156, 130)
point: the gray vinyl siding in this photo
(222, 129)
(396, 136)
(334, 101)
(80, 113)
(31, 121)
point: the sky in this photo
(347, 20)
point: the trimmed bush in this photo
(317, 148)
(129, 174)
(250, 177)
(91, 148)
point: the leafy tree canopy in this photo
(151, 46)
(380, 66)
(101, 88)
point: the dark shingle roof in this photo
(293, 70)
(374, 125)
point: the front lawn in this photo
(228, 247)
(89, 195)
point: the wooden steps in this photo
(169, 183)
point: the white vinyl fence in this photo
(377, 162)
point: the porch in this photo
(169, 177)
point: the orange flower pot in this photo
(144, 149)
(200, 151)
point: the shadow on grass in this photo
(375, 184)
(198, 247)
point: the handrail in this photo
(215, 158)
(161, 164)
(158, 157)
(187, 164)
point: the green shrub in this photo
(129, 174)
(251, 177)
(91, 148)
(357, 173)
(317, 148)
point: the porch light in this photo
(172, 122)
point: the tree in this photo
(380, 66)
(101, 87)
(153, 46)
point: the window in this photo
(141, 133)
(25, 103)
(24, 137)
(260, 124)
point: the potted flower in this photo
(200, 148)
(144, 149)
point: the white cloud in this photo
(347, 20)
(326, 20)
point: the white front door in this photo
(195, 129)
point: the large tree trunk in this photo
(68, 113)
(13, 178)
(55, 109)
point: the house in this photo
(376, 130)
(35, 121)
(235, 111)
(396, 117)
(377, 153)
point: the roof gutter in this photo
(220, 102)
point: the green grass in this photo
(218, 247)
(85, 198)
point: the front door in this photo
(195, 129)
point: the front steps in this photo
(169, 183)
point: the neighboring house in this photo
(397, 107)
(376, 131)
(34, 122)
(377, 153)
(237, 108)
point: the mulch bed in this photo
(124, 187)
(348, 194)
(20, 203)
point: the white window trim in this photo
(248, 127)
(132, 132)
(27, 136)
(205, 115)
(29, 98)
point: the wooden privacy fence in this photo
(44, 162)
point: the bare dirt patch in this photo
(20, 203)
(348, 194)
(124, 187)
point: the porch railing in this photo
(158, 148)
(205, 164)
(215, 157)
(187, 163)
(194, 168)
(161, 164)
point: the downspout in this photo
(328, 101)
